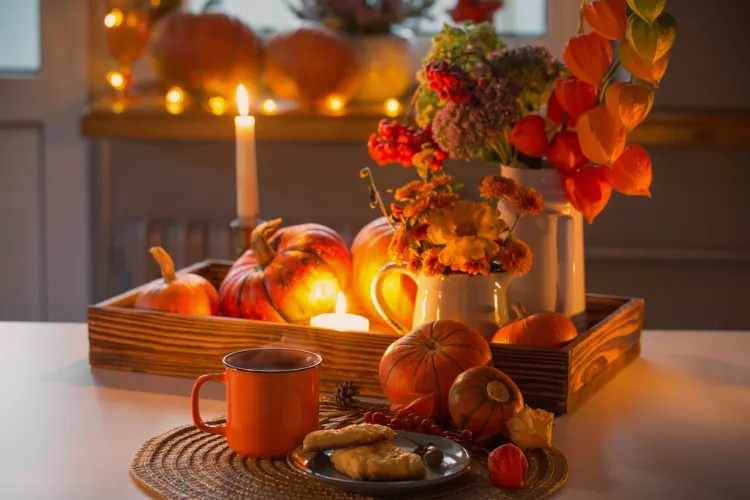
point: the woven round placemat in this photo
(186, 463)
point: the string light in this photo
(335, 104)
(175, 95)
(175, 108)
(392, 107)
(217, 105)
(113, 19)
(116, 80)
(269, 106)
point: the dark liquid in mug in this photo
(272, 360)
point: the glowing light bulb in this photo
(175, 96)
(113, 19)
(335, 104)
(392, 107)
(217, 105)
(269, 106)
(116, 80)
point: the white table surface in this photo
(673, 425)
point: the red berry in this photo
(417, 419)
(402, 414)
(407, 423)
(396, 423)
(435, 429)
(368, 417)
(387, 421)
(378, 418)
(447, 434)
(466, 435)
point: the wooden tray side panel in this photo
(168, 344)
(605, 344)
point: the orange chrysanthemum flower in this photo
(476, 266)
(398, 249)
(497, 186)
(416, 208)
(527, 201)
(431, 265)
(396, 210)
(443, 200)
(437, 181)
(419, 232)
(408, 191)
(515, 257)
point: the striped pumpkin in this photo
(288, 276)
(427, 360)
(482, 399)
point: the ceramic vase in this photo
(479, 302)
(556, 281)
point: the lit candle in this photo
(341, 320)
(246, 171)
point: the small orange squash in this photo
(545, 329)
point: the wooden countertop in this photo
(672, 425)
(147, 119)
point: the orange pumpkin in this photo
(208, 53)
(289, 278)
(588, 56)
(181, 293)
(545, 329)
(427, 360)
(482, 399)
(609, 18)
(296, 70)
(369, 254)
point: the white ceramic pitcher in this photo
(556, 281)
(479, 302)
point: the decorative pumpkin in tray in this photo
(288, 276)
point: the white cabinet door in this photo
(44, 205)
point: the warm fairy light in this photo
(175, 108)
(116, 80)
(175, 96)
(341, 304)
(242, 100)
(335, 104)
(118, 107)
(155, 4)
(217, 105)
(392, 107)
(113, 19)
(269, 106)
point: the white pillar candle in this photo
(245, 159)
(341, 320)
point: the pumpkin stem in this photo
(165, 263)
(259, 241)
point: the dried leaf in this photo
(609, 18)
(639, 67)
(588, 56)
(648, 10)
(588, 191)
(630, 102)
(631, 174)
(601, 135)
(652, 41)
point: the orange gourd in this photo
(601, 135)
(369, 254)
(629, 102)
(545, 329)
(181, 293)
(588, 191)
(588, 56)
(482, 400)
(288, 276)
(427, 360)
(311, 64)
(609, 18)
(208, 53)
(631, 174)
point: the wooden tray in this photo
(557, 380)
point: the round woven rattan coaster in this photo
(185, 463)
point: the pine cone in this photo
(345, 393)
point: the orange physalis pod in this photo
(631, 174)
(529, 136)
(601, 135)
(630, 102)
(555, 111)
(575, 96)
(565, 153)
(609, 18)
(639, 67)
(588, 191)
(588, 56)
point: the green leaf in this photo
(652, 41)
(648, 10)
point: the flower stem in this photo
(608, 79)
(366, 172)
(580, 16)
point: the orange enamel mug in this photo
(272, 400)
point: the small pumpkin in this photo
(545, 329)
(428, 359)
(588, 56)
(206, 53)
(482, 400)
(288, 276)
(181, 293)
(369, 254)
(310, 64)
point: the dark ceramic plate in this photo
(318, 466)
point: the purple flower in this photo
(464, 129)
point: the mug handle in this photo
(194, 402)
(565, 251)
(378, 299)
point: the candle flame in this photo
(113, 19)
(243, 100)
(341, 304)
(392, 107)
